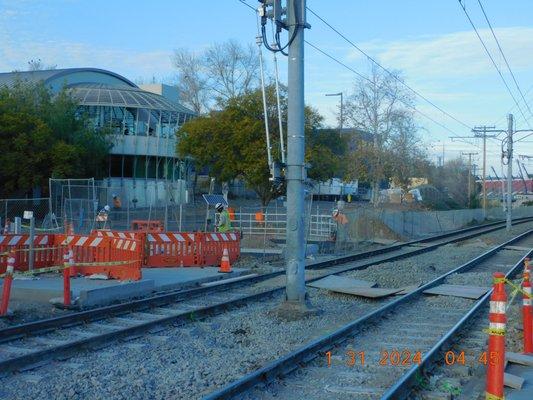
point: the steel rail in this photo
(292, 360)
(404, 385)
(24, 360)
(104, 312)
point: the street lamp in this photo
(338, 94)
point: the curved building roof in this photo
(132, 97)
(93, 86)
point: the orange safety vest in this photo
(341, 219)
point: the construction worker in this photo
(102, 216)
(222, 219)
(339, 234)
(117, 204)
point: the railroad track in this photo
(24, 346)
(381, 355)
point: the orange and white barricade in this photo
(173, 249)
(187, 249)
(115, 257)
(214, 245)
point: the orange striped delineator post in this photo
(8, 280)
(225, 265)
(68, 259)
(496, 352)
(527, 312)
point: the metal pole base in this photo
(295, 310)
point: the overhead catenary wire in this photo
(371, 82)
(370, 58)
(491, 58)
(524, 137)
(395, 77)
(512, 109)
(504, 57)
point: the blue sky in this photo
(431, 42)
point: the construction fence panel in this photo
(115, 258)
(189, 249)
(45, 251)
(171, 249)
(215, 243)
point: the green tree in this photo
(231, 142)
(326, 152)
(44, 136)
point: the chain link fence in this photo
(80, 202)
(13, 208)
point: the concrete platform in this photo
(89, 293)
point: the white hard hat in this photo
(107, 208)
(335, 212)
(218, 206)
(114, 195)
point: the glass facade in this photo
(144, 137)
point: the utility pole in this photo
(509, 156)
(469, 176)
(481, 132)
(295, 241)
(295, 303)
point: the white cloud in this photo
(14, 54)
(453, 54)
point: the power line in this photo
(247, 5)
(512, 109)
(370, 81)
(503, 55)
(491, 59)
(523, 137)
(336, 60)
(386, 70)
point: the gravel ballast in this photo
(190, 361)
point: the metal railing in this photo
(275, 224)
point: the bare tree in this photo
(232, 69)
(222, 72)
(407, 156)
(38, 65)
(378, 106)
(191, 80)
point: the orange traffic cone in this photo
(225, 265)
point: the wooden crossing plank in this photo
(470, 292)
(513, 381)
(334, 282)
(351, 286)
(407, 289)
(518, 248)
(523, 359)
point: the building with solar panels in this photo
(143, 121)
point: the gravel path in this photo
(190, 361)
